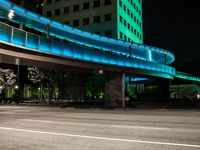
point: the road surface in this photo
(50, 128)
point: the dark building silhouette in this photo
(33, 5)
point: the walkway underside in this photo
(9, 54)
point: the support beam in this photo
(115, 90)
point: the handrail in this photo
(87, 39)
(18, 38)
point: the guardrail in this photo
(29, 41)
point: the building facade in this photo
(33, 5)
(121, 19)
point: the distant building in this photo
(121, 19)
(33, 5)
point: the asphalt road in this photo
(49, 128)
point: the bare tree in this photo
(7, 79)
(36, 75)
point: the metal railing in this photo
(35, 42)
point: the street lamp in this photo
(17, 62)
(101, 71)
(16, 87)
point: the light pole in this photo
(17, 86)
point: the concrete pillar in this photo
(76, 93)
(163, 89)
(115, 90)
(76, 88)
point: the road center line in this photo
(140, 127)
(92, 124)
(34, 120)
(99, 138)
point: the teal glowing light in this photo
(185, 76)
(107, 51)
(85, 38)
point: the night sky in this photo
(174, 25)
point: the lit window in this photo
(128, 11)
(128, 26)
(124, 22)
(121, 35)
(135, 31)
(120, 19)
(131, 15)
(124, 37)
(125, 8)
(120, 3)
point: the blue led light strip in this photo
(88, 39)
(144, 57)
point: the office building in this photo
(121, 19)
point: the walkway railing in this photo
(90, 40)
(29, 41)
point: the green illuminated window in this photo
(124, 22)
(125, 8)
(121, 19)
(120, 3)
(121, 35)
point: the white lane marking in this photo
(8, 113)
(100, 138)
(140, 127)
(33, 120)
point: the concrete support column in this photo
(76, 92)
(115, 90)
(163, 89)
(76, 88)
